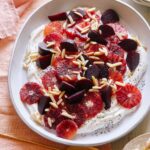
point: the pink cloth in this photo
(9, 16)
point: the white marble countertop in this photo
(145, 125)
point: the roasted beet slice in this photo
(92, 71)
(103, 72)
(75, 98)
(96, 37)
(43, 61)
(69, 45)
(109, 16)
(43, 104)
(128, 45)
(106, 30)
(106, 93)
(43, 50)
(59, 16)
(77, 14)
(67, 87)
(84, 84)
(133, 60)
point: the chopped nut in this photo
(94, 57)
(50, 44)
(119, 83)
(37, 117)
(114, 65)
(98, 62)
(53, 104)
(66, 114)
(95, 81)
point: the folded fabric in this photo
(8, 18)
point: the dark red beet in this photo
(30, 93)
(67, 87)
(92, 71)
(43, 61)
(59, 16)
(128, 45)
(75, 98)
(69, 45)
(109, 16)
(84, 84)
(75, 16)
(103, 73)
(43, 104)
(106, 30)
(96, 37)
(132, 60)
(43, 50)
(106, 93)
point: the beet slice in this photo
(84, 84)
(69, 45)
(106, 96)
(44, 61)
(43, 50)
(103, 73)
(43, 104)
(133, 60)
(67, 87)
(106, 30)
(128, 45)
(59, 16)
(96, 37)
(75, 16)
(92, 71)
(76, 97)
(109, 16)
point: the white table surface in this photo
(145, 125)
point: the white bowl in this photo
(133, 21)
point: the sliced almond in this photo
(63, 53)
(59, 101)
(70, 19)
(114, 64)
(95, 81)
(49, 121)
(62, 94)
(79, 14)
(86, 46)
(53, 105)
(52, 98)
(119, 83)
(50, 44)
(66, 114)
(98, 62)
(94, 57)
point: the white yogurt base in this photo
(106, 117)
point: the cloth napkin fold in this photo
(9, 16)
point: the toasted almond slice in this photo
(84, 68)
(93, 90)
(76, 63)
(104, 50)
(37, 117)
(68, 77)
(66, 114)
(76, 72)
(79, 14)
(119, 83)
(95, 81)
(52, 98)
(49, 121)
(96, 88)
(87, 20)
(94, 57)
(86, 46)
(103, 85)
(65, 25)
(114, 64)
(50, 44)
(53, 104)
(91, 9)
(46, 110)
(63, 53)
(54, 92)
(92, 42)
(90, 53)
(77, 56)
(84, 31)
(98, 62)
(69, 57)
(70, 19)
(62, 94)
(70, 25)
(59, 101)
(98, 53)
(79, 28)
(79, 76)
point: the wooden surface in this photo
(12, 125)
(14, 134)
